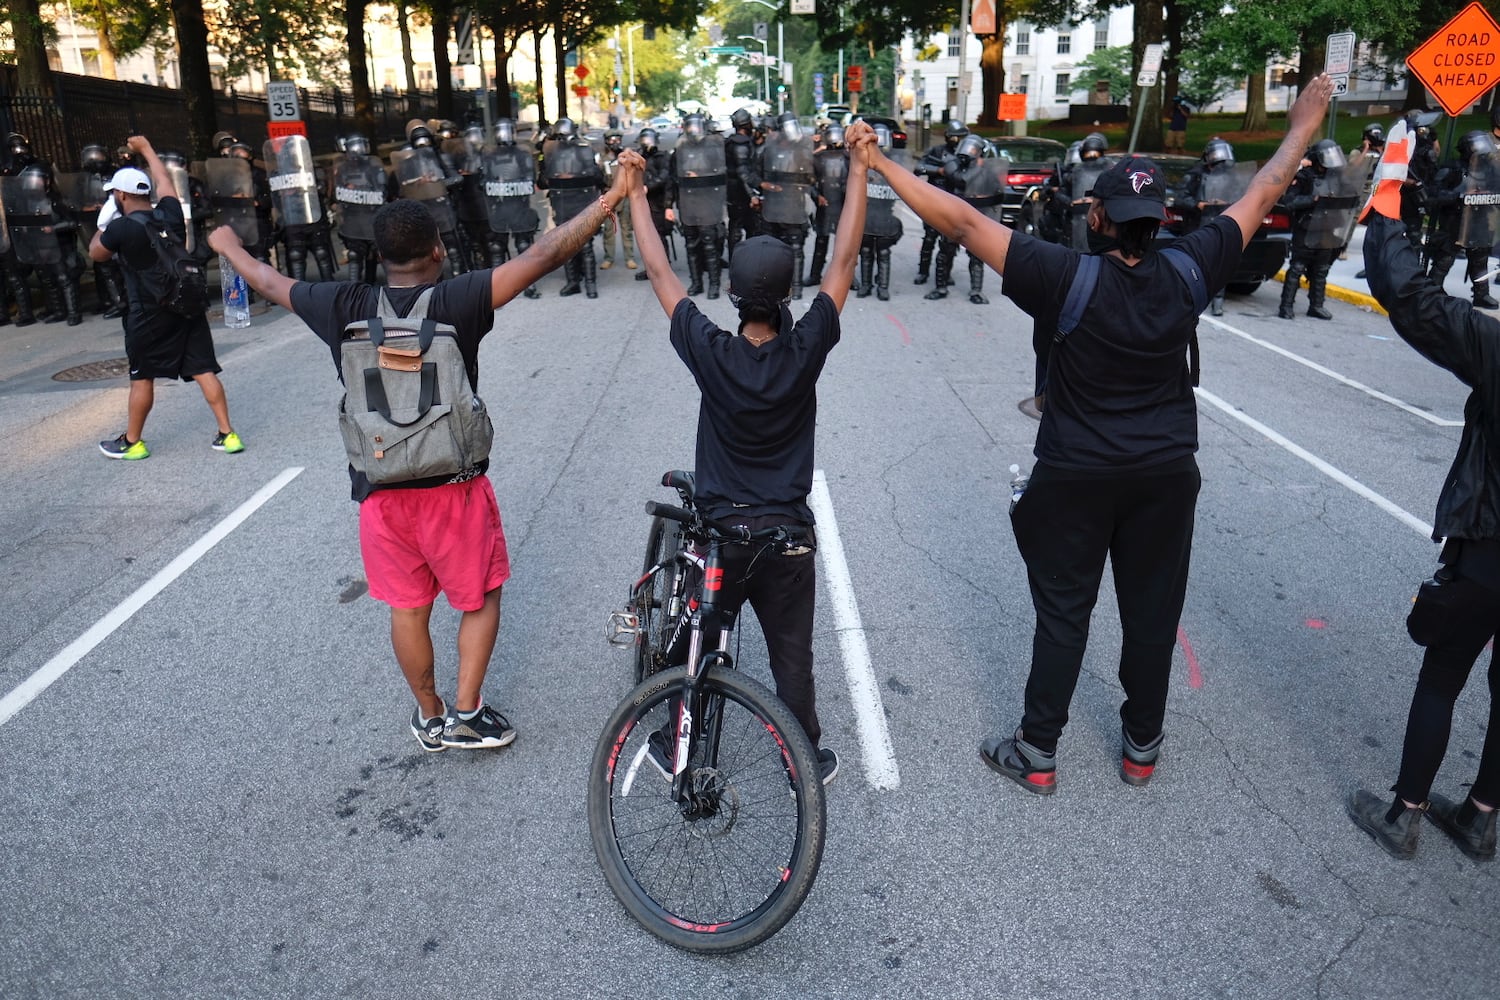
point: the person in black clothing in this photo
(1197, 205)
(1320, 209)
(756, 424)
(934, 165)
(1421, 170)
(426, 537)
(1475, 171)
(1115, 474)
(1457, 612)
(744, 179)
(659, 189)
(158, 343)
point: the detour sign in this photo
(1461, 61)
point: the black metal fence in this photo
(83, 109)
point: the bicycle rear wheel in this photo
(651, 608)
(727, 869)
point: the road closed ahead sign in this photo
(1461, 62)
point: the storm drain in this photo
(95, 371)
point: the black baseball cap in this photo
(761, 268)
(1133, 188)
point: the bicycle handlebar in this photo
(735, 532)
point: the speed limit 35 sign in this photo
(281, 101)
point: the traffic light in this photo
(856, 79)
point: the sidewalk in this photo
(1344, 286)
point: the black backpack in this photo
(177, 282)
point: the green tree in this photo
(123, 28)
(275, 36)
(29, 32)
(1111, 64)
(189, 26)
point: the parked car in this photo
(1033, 162)
(660, 122)
(898, 130)
(1268, 248)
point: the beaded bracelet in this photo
(604, 204)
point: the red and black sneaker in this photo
(1138, 763)
(1028, 766)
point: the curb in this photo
(1343, 295)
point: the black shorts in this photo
(168, 346)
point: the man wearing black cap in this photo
(754, 457)
(1115, 474)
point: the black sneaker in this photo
(486, 729)
(1397, 833)
(429, 732)
(828, 765)
(1475, 838)
(1026, 765)
(1138, 763)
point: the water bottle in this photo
(1018, 482)
(236, 296)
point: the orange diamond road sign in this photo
(1461, 61)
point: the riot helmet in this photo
(1094, 145)
(693, 126)
(1374, 135)
(1326, 155)
(357, 145)
(94, 159)
(1218, 152)
(790, 126)
(834, 136)
(1420, 123)
(970, 148)
(447, 129)
(714, 126)
(505, 132)
(742, 119)
(953, 132)
(17, 144)
(647, 139)
(419, 135)
(36, 178)
(564, 128)
(240, 149)
(474, 136)
(222, 141)
(1473, 144)
(614, 140)
(882, 135)
(173, 158)
(1072, 158)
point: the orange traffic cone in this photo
(1390, 173)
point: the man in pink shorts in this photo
(443, 535)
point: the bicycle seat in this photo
(680, 480)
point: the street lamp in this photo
(765, 64)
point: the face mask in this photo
(1099, 243)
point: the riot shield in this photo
(462, 154)
(880, 207)
(832, 172)
(4, 228)
(509, 183)
(1337, 193)
(359, 190)
(422, 179)
(29, 215)
(183, 185)
(984, 184)
(786, 170)
(573, 178)
(1223, 186)
(231, 192)
(702, 183)
(1082, 178)
(84, 193)
(1481, 202)
(289, 169)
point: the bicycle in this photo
(706, 806)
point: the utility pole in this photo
(963, 61)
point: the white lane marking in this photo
(864, 690)
(31, 687)
(1321, 370)
(1342, 478)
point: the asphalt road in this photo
(220, 796)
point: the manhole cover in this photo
(95, 371)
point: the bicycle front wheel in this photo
(725, 866)
(651, 606)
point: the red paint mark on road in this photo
(1316, 623)
(905, 335)
(1195, 675)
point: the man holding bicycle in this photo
(756, 424)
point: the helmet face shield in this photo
(505, 132)
(693, 126)
(358, 145)
(970, 146)
(792, 129)
(1327, 155)
(564, 128)
(883, 136)
(834, 135)
(647, 138)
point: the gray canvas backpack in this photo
(409, 411)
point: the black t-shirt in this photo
(127, 239)
(759, 410)
(1119, 394)
(464, 303)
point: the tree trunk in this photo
(1311, 58)
(404, 24)
(107, 67)
(992, 72)
(442, 66)
(502, 77)
(1416, 94)
(562, 73)
(1171, 61)
(1255, 103)
(1148, 31)
(32, 70)
(194, 78)
(359, 70)
(541, 96)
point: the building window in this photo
(954, 41)
(1064, 44)
(1023, 40)
(1064, 85)
(1025, 86)
(1101, 36)
(1277, 78)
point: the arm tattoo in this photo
(559, 246)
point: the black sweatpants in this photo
(1065, 525)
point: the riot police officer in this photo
(699, 185)
(743, 193)
(657, 180)
(194, 199)
(614, 144)
(45, 238)
(86, 196)
(240, 195)
(509, 183)
(574, 179)
(1421, 171)
(1206, 191)
(464, 154)
(18, 156)
(358, 188)
(299, 206)
(830, 169)
(931, 166)
(1462, 199)
(882, 230)
(1321, 198)
(424, 176)
(786, 189)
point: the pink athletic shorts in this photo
(420, 542)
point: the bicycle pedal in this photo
(622, 628)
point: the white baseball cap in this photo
(130, 181)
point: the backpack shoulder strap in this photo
(1079, 293)
(384, 310)
(1197, 284)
